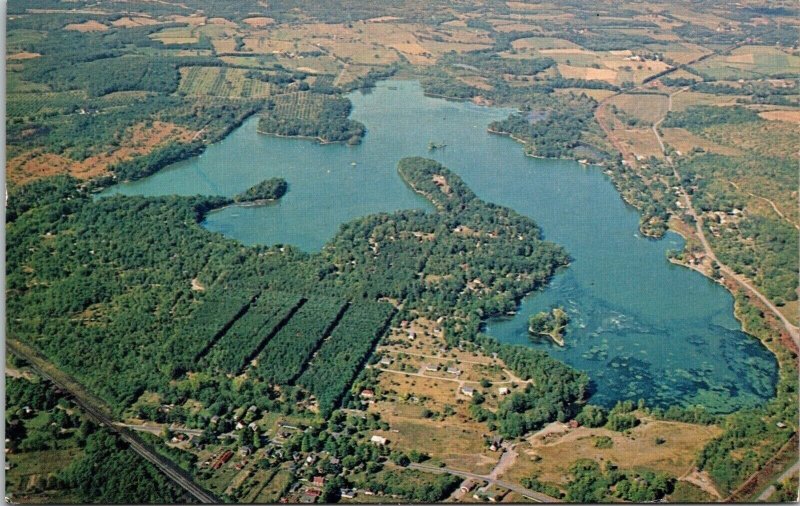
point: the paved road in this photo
(793, 330)
(172, 471)
(771, 489)
(530, 494)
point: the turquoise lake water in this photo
(640, 326)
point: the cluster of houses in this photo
(482, 490)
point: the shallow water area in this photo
(640, 326)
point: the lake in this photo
(640, 326)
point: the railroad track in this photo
(167, 467)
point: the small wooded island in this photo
(550, 323)
(262, 193)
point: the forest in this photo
(269, 189)
(177, 328)
(343, 354)
(325, 119)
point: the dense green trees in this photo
(285, 355)
(269, 189)
(592, 416)
(329, 123)
(413, 485)
(590, 483)
(342, 355)
(696, 118)
(553, 134)
(110, 473)
(249, 333)
(120, 273)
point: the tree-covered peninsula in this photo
(265, 191)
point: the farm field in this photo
(749, 62)
(222, 82)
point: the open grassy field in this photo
(681, 101)
(788, 115)
(647, 108)
(176, 35)
(550, 456)
(685, 141)
(749, 62)
(455, 441)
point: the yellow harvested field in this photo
(223, 22)
(792, 116)
(131, 22)
(634, 451)
(568, 50)
(684, 141)
(224, 45)
(88, 26)
(24, 55)
(681, 101)
(641, 142)
(572, 72)
(259, 21)
(645, 107)
(543, 43)
(194, 19)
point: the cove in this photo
(640, 326)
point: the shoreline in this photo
(318, 140)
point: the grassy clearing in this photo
(456, 442)
(646, 108)
(685, 141)
(273, 490)
(642, 142)
(682, 101)
(551, 456)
